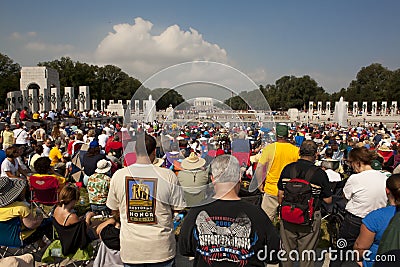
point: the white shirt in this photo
(7, 166)
(46, 151)
(365, 192)
(333, 176)
(21, 136)
(103, 140)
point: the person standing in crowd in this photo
(375, 223)
(47, 145)
(7, 137)
(24, 115)
(15, 116)
(40, 134)
(98, 187)
(193, 178)
(273, 159)
(217, 232)
(103, 137)
(147, 215)
(365, 192)
(304, 237)
(21, 137)
(91, 158)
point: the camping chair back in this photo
(10, 233)
(44, 189)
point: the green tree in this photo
(166, 97)
(9, 77)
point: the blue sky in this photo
(328, 40)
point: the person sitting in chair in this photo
(33, 227)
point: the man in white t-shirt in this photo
(103, 137)
(147, 232)
(21, 137)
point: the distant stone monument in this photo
(374, 108)
(311, 107)
(355, 108)
(328, 108)
(84, 98)
(393, 108)
(149, 109)
(319, 108)
(365, 108)
(384, 108)
(37, 85)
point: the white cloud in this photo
(16, 36)
(140, 53)
(50, 48)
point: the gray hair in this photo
(226, 169)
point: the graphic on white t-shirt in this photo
(141, 202)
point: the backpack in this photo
(298, 201)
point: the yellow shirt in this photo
(55, 156)
(16, 209)
(277, 155)
(35, 116)
(8, 138)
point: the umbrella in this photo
(77, 159)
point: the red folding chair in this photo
(44, 190)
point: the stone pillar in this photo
(102, 105)
(111, 102)
(55, 98)
(384, 108)
(374, 108)
(311, 107)
(25, 94)
(149, 109)
(129, 104)
(69, 98)
(120, 102)
(319, 107)
(44, 99)
(394, 108)
(33, 100)
(137, 107)
(10, 101)
(328, 108)
(84, 98)
(355, 108)
(94, 104)
(364, 108)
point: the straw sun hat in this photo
(193, 162)
(10, 189)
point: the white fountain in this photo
(340, 113)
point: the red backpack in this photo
(298, 203)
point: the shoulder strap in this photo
(19, 133)
(66, 219)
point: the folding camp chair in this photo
(44, 190)
(11, 243)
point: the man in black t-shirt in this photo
(227, 231)
(296, 236)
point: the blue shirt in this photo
(377, 221)
(2, 156)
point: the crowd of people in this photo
(149, 177)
